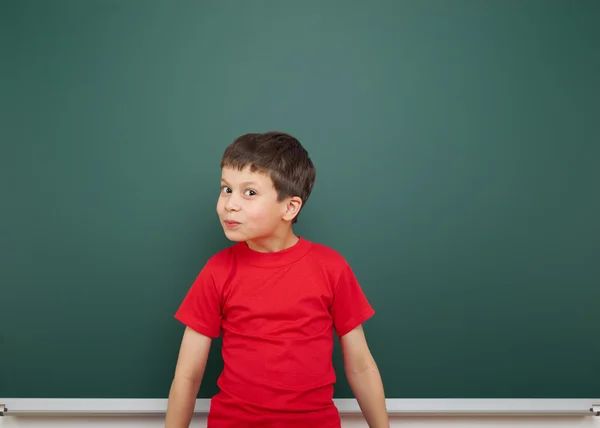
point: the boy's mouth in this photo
(231, 224)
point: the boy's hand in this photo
(364, 378)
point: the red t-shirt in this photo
(278, 313)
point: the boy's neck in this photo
(273, 243)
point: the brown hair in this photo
(279, 155)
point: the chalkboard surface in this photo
(457, 146)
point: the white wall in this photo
(347, 422)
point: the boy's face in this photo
(248, 208)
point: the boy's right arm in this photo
(189, 371)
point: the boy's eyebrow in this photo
(245, 183)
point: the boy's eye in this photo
(225, 189)
(250, 192)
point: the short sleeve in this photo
(350, 306)
(201, 309)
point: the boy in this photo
(278, 299)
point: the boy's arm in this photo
(189, 371)
(364, 379)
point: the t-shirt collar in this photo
(273, 259)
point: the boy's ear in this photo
(292, 208)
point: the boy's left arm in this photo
(364, 378)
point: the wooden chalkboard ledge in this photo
(396, 406)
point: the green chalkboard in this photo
(457, 146)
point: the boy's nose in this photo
(231, 204)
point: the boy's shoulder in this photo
(222, 257)
(327, 254)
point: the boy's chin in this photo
(233, 236)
